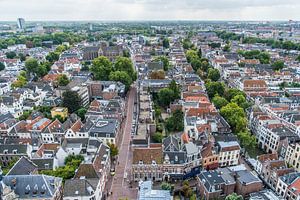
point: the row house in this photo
(92, 175)
(12, 152)
(7, 121)
(288, 186)
(269, 167)
(37, 187)
(271, 135)
(229, 153)
(107, 109)
(292, 155)
(11, 104)
(107, 130)
(219, 183)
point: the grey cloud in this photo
(149, 9)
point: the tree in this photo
(298, 58)
(11, 55)
(191, 55)
(219, 102)
(166, 43)
(159, 74)
(101, 68)
(235, 116)
(164, 60)
(165, 97)
(81, 113)
(214, 45)
(71, 100)
(63, 80)
(226, 48)
(70, 158)
(175, 88)
(186, 190)
(213, 74)
(241, 101)
(126, 53)
(247, 140)
(22, 57)
(114, 151)
(199, 53)
(52, 56)
(213, 88)
(166, 186)
(21, 80)
(234, 196)
(175, 122)
(196, 64)
(232, 92)
(278, 65)
(157, 137)
(32, 66)
(59, 118)
(121, 76)
(2, 66)
(125, 64)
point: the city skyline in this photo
(130, 10)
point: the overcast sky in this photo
(150, 9)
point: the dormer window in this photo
(153, 162)
(46, 166)
(176, 158)
(141, 162)
(5, 151)
(27, 189)
(15, 151)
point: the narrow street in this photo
(120, 185)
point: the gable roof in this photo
(23, 166)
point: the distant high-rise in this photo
(21, 23)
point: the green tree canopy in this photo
(213, 74)
(81, 113)
(71, 100)
(164, 60)
(114, 151)
(166, 43)
(213, 88)
(191, 55)
(235, 116)
(11, 54)
(175, 122)
(219, 102)
(63, 80)
(2, 66)
(121, 76)
(234, 196)
(232, 92)
(278, 65)
(157, 137)
(101, 68)
(125, 64)
(165, 97)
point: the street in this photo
(120, 186)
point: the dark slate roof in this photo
(101, 127)
(80, 187)
(246, 177)
(290, 178)
(38, 186)
(23, 166)
(21, 148)
(211, 180)
(5, 117)
(43, 163)
(87, 171)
